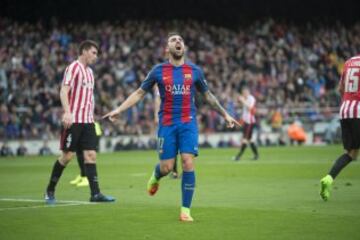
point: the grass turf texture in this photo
(276, 197)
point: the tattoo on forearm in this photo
(214, 103)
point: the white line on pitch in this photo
(38, 200)
(41, 206)
(66, 203)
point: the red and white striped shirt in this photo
(81, 94)
(350, 107)
(248, 115)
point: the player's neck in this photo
(82, 61)
(177, 62)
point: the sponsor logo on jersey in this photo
(87, 85)
(178, 89)
(187, 76)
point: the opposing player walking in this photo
(77, 99)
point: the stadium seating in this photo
(286, 66)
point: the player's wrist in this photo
(226, 115)
(118, 111)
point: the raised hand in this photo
(231, 122)
(111, 115)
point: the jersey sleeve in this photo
(252, 102)
(149, 82)
(200, 83)
(70, 74)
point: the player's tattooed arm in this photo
(214, 103)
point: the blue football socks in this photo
(187, 187)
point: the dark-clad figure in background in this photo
(22, 149)
(45, 149)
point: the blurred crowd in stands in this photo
(22, 150)
(289, 69)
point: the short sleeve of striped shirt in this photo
(251, 101)
(201, 84)
(70, 73)
(149, 81)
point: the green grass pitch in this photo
(276, 197)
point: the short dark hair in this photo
(245, 87)
(87, 44)
(173, 33)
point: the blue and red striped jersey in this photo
(177, 86)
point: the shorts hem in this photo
(194, 153)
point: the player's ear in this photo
(85, 51)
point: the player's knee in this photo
(166, 166)
(166, 169)
(187, 164)
(65, 158)
(90, 156)
(353, 153)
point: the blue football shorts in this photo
(179, 137)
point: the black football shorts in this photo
(78, 136)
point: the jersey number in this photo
(352, 80)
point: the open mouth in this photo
(178, 48)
